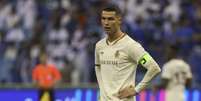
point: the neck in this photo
(43, 63)
(114, 36)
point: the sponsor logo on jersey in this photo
(101, 52)
(109, 62)
(117, 54)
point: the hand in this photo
(127, 92)
(155, 89)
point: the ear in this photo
(119, 19)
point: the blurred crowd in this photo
(69, 29)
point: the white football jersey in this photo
(118, 62)
(177, 71)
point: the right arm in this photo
(97, 67)
(98, 76)
(98, 73)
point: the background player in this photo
(176, 76)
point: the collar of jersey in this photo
(115, 41)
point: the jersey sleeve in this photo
(136, 52)
(166, 72)
(97, 60)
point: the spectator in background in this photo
(45, 76)
(184, 33)
(58, 38)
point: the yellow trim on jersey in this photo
(146, 57)
(115, 41)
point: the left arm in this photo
(152, 70)
(139, 55)
(56, 74)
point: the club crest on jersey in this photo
(101, 52)
(117, 54)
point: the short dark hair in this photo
(112, 7)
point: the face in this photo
(43, 58)
(110, 22)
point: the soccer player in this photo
(176, 76)
(116, 59)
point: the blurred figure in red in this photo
(45, 76)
